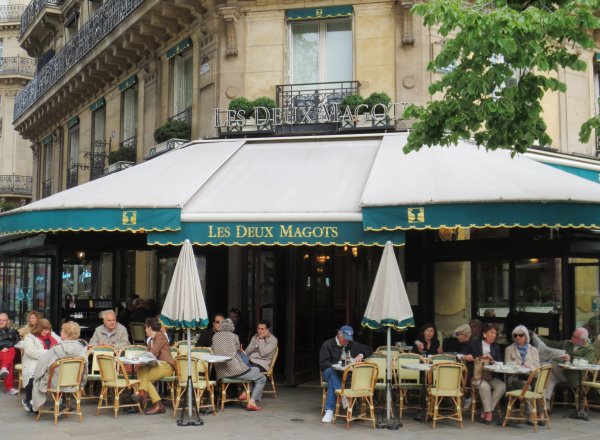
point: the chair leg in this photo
(508, 411)
(56, 408)
(116, 406)
(337, 407)
(436, 406)
(473, 404)
(534, 414)
(78, 402)
(273, 386)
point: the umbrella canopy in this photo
(184, 305)
(388, 304)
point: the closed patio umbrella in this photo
(184, 308)
(388, 307)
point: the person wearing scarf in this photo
(40, 339)
(521, 353)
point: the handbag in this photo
(479, 372)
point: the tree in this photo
(501, 57)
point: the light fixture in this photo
(355, 252)
(81, 255)
(534, 260)
(321, 259)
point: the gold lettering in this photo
(240, 231)
(334, 232)
(218, 231)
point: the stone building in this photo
(16, 69)
(112, 72)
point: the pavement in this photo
(294, 415)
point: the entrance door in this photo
(314, 311)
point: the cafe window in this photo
(166, 267)
(491, 289)
(321, 51)
(585, 282)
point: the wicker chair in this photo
(269, 375)
(67, 384)
(200, 381)
(534, 391)
(407, 380)
(115, 378)
(591, 383)
(447, 381)
(138, 332)
(362, 388)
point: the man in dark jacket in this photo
(8, 338)
(205, 338)
(331, 352)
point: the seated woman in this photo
(427, 344)
(457, 342)
(521, 353)
(68, 347)
(227, 343)
(33, 318)
(35, 343)
(491, 389)
(158, 345)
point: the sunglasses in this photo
(518, 335)
(218, 322)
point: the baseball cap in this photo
(347, 332)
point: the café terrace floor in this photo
(294, 415)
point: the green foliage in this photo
(501, 56)
(7, 206)
(377, 98)
(352, 102)
(172, 129)
(121, 155)
(264, 101)
(244, 104)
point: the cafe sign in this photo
(302, 115)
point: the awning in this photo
(466, 186)
(585, 167)
(287, 191)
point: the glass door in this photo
(585, 282)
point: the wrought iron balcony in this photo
(73, 175)
(11, 12)
(184, 116)
(103, 22)
(47, 188)
(129, 143)
(12, 184)
(313, 96)
(17, 66)
(33, 10)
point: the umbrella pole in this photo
(389, 423)
(190, 389)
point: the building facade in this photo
(16, 69)
(110, 73)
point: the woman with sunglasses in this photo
(521, 353)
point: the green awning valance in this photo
(179, 47)
(98, 104)
(276, 233)
(319, 13)
(129, 82)
(93, 219)
(73, 121)
(483, 215)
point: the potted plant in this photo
(263, 102)
(351, 102)
(172, 129)
(372, 101)
(244, 104)
(121, 155)
(350, 107)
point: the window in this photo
(98, 143)
(321, 51)
(72, 171)
(2, 48)
(47, 183)
(585, 279)
(71, 25)
(94, 6)
(491, 288)
(129, 115)
(182, 83)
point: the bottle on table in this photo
(343, 357)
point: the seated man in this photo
(205, 338)
(111, 333)
(576, 347)
(261, 349)
(8, 338)
(330, 354)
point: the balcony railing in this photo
(184, 116)
(314, 96)
(33, 10)
(12, 184)
(108, 17)
(73, 175)
(17, 66)
(129, 143)
(11, 12)
(47, 188)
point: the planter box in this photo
(171, 144)
(117, 166)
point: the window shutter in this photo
(188, 82)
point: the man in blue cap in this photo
(331, 352)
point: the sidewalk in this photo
(295, 415)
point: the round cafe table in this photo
(580, 413)
(423, 368)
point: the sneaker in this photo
(344, 402)
(328, 417)
(26, 406)
(12, 391)
(3, 373)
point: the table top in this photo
(589, 367)
(211, 358)
(418, 367)
(505, 369)
(339, 367)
